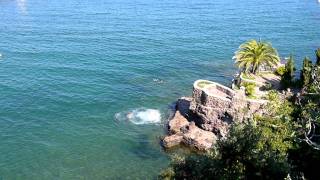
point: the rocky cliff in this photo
(208, 114)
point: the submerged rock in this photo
(172, 140)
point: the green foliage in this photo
(252, 54)
(287, 79)
(313, 88)
(247, 76)
(284, 143)
(310, 75)
(194, 166)
(257, 150)
(254, 150)
(318, 56)
(314, 84)
(280, 70)
(250, 151)
(267, 87)
(304, 160)
(305, 157)
(305, 74)
(249, 88)
(278, 106)
(290, 68)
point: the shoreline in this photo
(205, 117)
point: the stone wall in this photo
(219, 109)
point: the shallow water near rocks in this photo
(67, 68)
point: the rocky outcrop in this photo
(198, 138)
(178, 121)
(172, 140)
(200, 120)
(182, 130)
(219, 106)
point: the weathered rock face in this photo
(218, 106)
(177, 123)
(198, 138)
(183, 131)
(199, 120)
(172, 140)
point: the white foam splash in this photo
(140, 116)
(156, 80)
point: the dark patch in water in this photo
(144, 149)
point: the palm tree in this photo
(252, 54)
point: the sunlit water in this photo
(84, 84)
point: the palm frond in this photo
(252, 54)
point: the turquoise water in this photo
(69, 67)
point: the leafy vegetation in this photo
(247, 76)
(267, 87)
(318, 56)
(284, 143)
(280, 71)
(305, 74)
(287, 79)
(255, 150)
(249, 88)
(253, 54)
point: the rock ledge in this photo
(206, 116)
(182, 130)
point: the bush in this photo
(257, 150)
(247, 76)
(305, 75)
(250, 89)
(287, 79)
(277, 106)
(267, 87)
(280, 71)
(318, 56)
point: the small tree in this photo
(249, 88)
(305, 74)
(318, 56)
(287, 78)
(314, 85)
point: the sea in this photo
(86, 87)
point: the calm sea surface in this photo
(71, 70)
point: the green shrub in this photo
(278, 106)
(305, 75)
(255, 150)
(267, 87)
(287, 79)
(318, 56)
(249, 89)
(280, 71)
(313, 88)
(247, 76)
